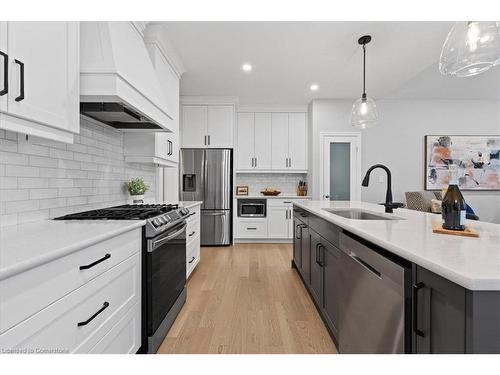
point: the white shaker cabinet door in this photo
(279, 125)
(194, 126)
(245, 141)
(220, 126)
(44, 71)
(277, 222)
(263, 141)
(297, 141)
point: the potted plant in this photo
(136, 188)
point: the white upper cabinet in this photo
(297, 144)
(262, 140)
(271, 142)
(279, 124)
(245, 152)
(220, 126)
(194, 126)
(209, 126)
(40, 78)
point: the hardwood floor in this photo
(247, 299)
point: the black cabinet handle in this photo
(297, 236)
(209, 140)
(104, 307)
(192, 260)
(317, 257)
(21, 70)
(321, 255)
(416, 289)
(107, 256)
(5, 89)
(191, 234)
(251, 228)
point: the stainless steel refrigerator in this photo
(207, 175)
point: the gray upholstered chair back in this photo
(421, 200)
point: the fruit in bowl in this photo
(270, 191)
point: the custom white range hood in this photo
(118, 85)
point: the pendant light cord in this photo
(364, 70)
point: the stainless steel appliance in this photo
(207, 175)
(251, 207)
(163, 263)
(374, 314)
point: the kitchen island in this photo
(435, 293)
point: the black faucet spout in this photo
(389, 204)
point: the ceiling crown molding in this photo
(157, 35)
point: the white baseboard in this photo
(262, 240)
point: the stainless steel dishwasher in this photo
(373, 316)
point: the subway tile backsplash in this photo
(42, 179)
(285, 182)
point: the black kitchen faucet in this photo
(389, 204)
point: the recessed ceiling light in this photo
(246, 67)
(314, 87)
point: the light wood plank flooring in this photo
(247, 299)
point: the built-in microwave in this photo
(251, 207)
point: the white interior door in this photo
(245, 141)
(341, 159)
(263, 140)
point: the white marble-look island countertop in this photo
(473, 263)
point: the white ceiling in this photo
(288, 56)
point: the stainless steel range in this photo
(163, 263)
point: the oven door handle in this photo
(167, 238)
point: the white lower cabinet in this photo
(277, 225)
(78, 321)
(193, 240)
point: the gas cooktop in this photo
(125, 212)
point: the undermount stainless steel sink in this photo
(359, 214)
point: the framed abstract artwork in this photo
(477, 158)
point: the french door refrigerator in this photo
(207, 175)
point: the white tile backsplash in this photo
(41, 179)
(285, 182)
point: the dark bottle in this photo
(453, 206)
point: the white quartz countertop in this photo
(473, 263)
(26, 246)
(272, 197)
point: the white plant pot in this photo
(137, 198)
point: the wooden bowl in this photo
(270, 193)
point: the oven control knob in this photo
(162, 220)
(184, 211)
(156, 223)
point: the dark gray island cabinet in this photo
(373, 301)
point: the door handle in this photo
(209, 140)
(316, 253)
(365, 265)
(327, 196)
(321, 255)
(5, 89)
(251, 228)
(87, 266)
(255, 162)
(104, 307)
(191, 234)
(290, 162)
(21, 70)
(416, 289)
(192, 260)
(205, 140)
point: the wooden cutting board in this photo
(468, 232)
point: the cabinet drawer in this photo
(280, 202)
(251, 228)
(99, 305)
(29, 292)
(192, 255)
(124, 337)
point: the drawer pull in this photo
(252, 228)
(104, 307)
(107, 256)
(192, 260)
(191, 234)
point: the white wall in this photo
(398, 142)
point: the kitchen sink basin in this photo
(358, 214)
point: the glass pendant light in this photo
(470, 48)
(364, 111)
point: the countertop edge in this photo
(21, 267)
(465, 282)
(272, 197)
